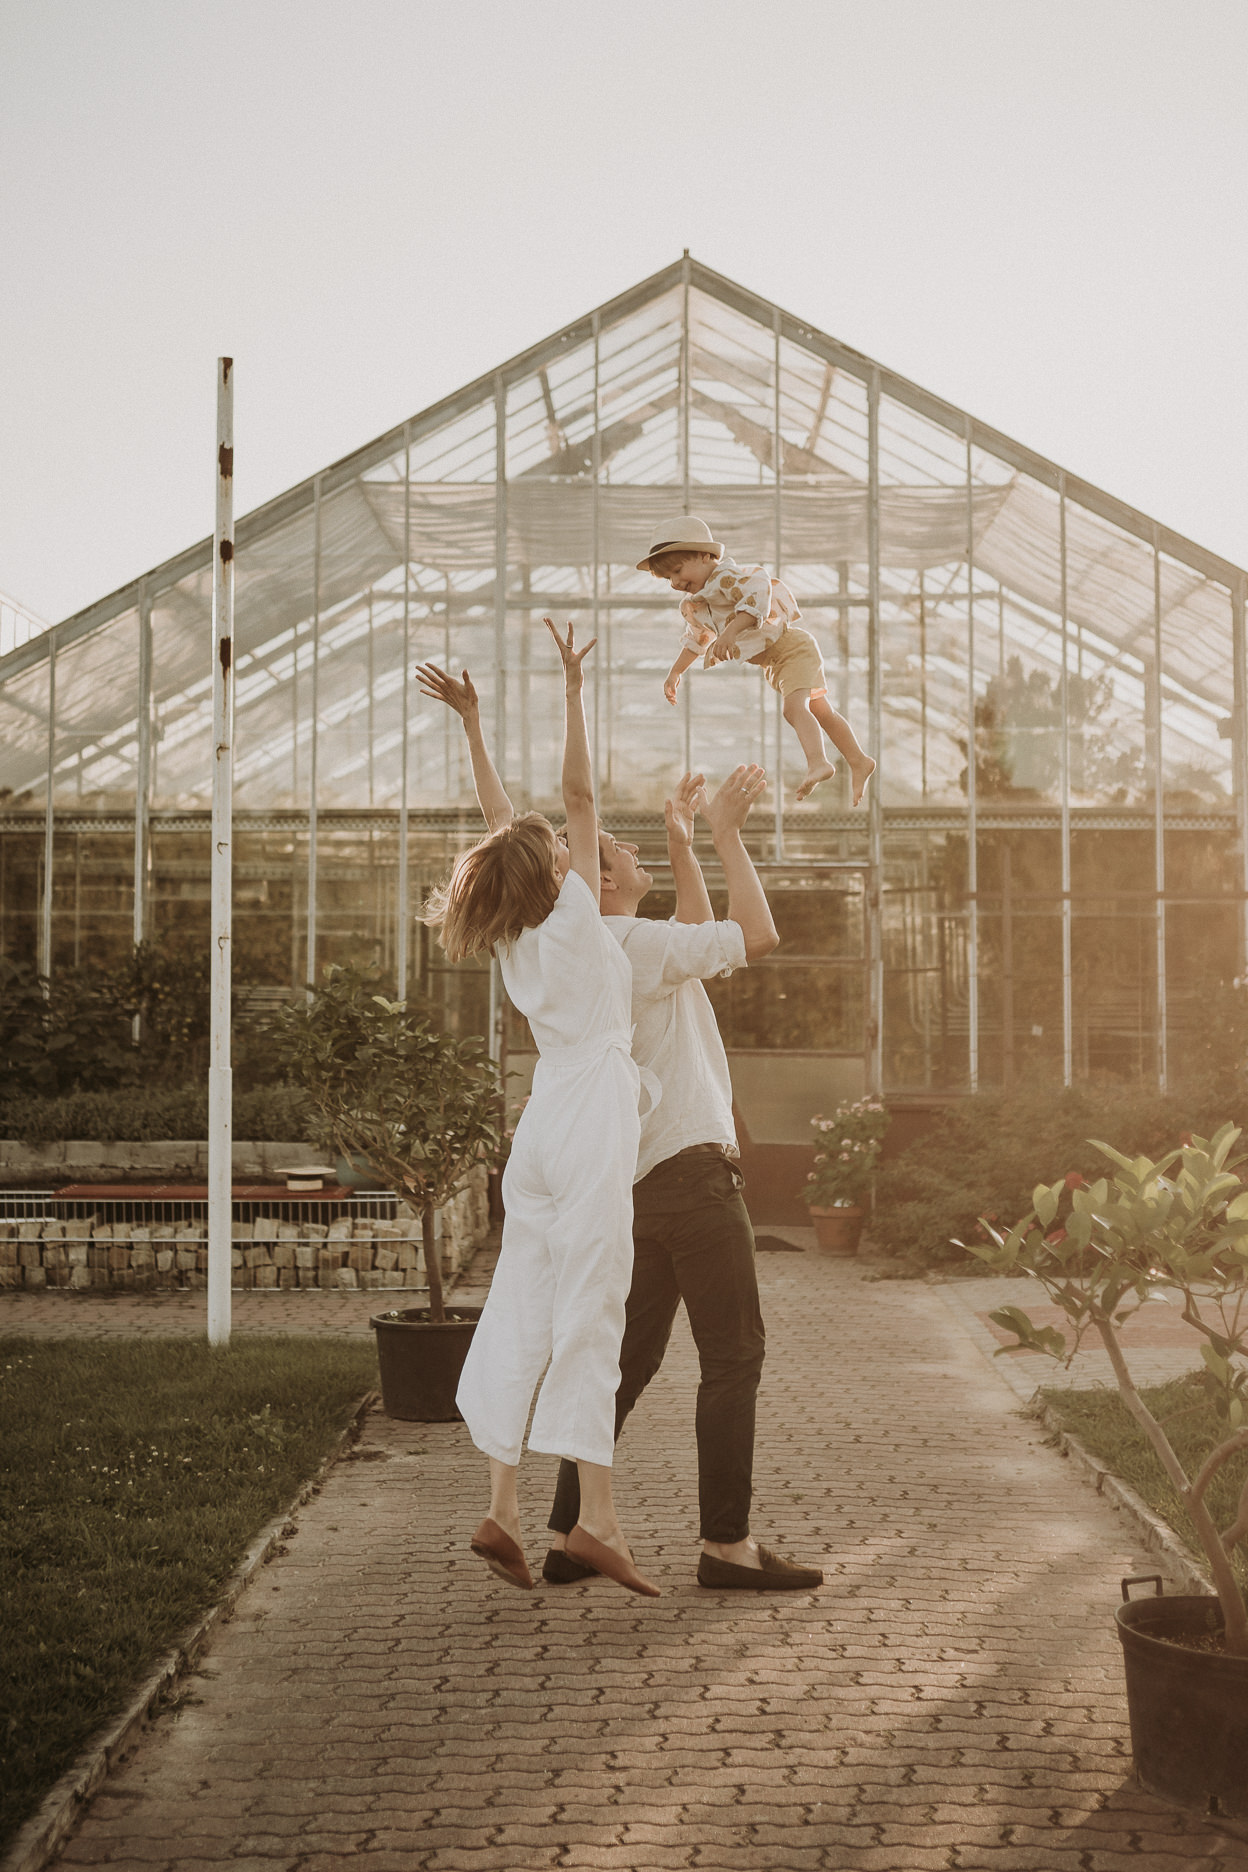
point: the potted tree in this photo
(421, 1109)
(847, 1146)
(1099, 1251)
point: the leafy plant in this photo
(150, 1113)
(848, 1146)
(1100, 1250)
(385, 1085)
(62, 1034)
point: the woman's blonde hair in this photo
(504, 884)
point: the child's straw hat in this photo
(685, 533)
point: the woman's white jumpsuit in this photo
(566, 1262)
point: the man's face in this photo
(689, 573)
(623, 879)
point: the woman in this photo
(530, 897)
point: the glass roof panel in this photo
(339, 578)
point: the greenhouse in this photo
(1045, 880)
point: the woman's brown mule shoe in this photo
(501, 1554)
(603, 1559)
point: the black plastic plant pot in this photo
(421, 1359)
(1188, 1709)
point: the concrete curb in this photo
(1157, 1535)
(65, 1803)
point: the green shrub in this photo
(76, 1032)
(985, 1156)
(152, 1114)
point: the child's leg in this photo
(841, 735)
(799, 717)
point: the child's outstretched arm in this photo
(671, 682)
(578, 773)
(693, 905)
(462, 697)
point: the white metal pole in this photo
(972, 789)
(220, 1116)
(777, 465)
(403, 884)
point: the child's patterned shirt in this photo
(731, 588)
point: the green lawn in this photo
(132, 1477)
(1103, 1425)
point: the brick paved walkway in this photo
(950, 1700)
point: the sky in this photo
(1034, 208)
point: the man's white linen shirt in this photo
(675, 1033)
(732, 588)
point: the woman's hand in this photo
(460, 696)
(681, 809)
(573, 675)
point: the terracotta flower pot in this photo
(837, 1231)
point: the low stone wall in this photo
(185, 1160)
(41, 1251)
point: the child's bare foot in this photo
(815, 776)
(859, 773)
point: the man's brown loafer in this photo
(559, 1569)
(501, 1554)
(774, 1575)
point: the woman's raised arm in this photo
(462, 697)
(578, 774)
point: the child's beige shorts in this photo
(793, 662)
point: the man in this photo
(692, 1238)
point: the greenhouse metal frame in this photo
(1046, 876)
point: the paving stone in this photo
(951, 1698)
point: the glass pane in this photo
(1020, 958)
(97, 685)
(926, 999)
(24, 739)
(180, 896)
(21, 895)
(1113, 956)
(182, 694)
(1018, 650)
(92, 899)
(1204, 935)
(1197, 690)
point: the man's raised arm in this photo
(726, 813)
(693, 905)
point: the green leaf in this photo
(1045, 1202)
(1046, 1339)
(1216, 1363)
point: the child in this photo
(733, 611)
(563, 1273)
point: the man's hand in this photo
(439, 687)
(681, 809)
(573, 675)
(671, 683)
(729, 807)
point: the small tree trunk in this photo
(1224, 1581)
(433, 1264)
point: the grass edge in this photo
(64, 1805)
(1158, 1536)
